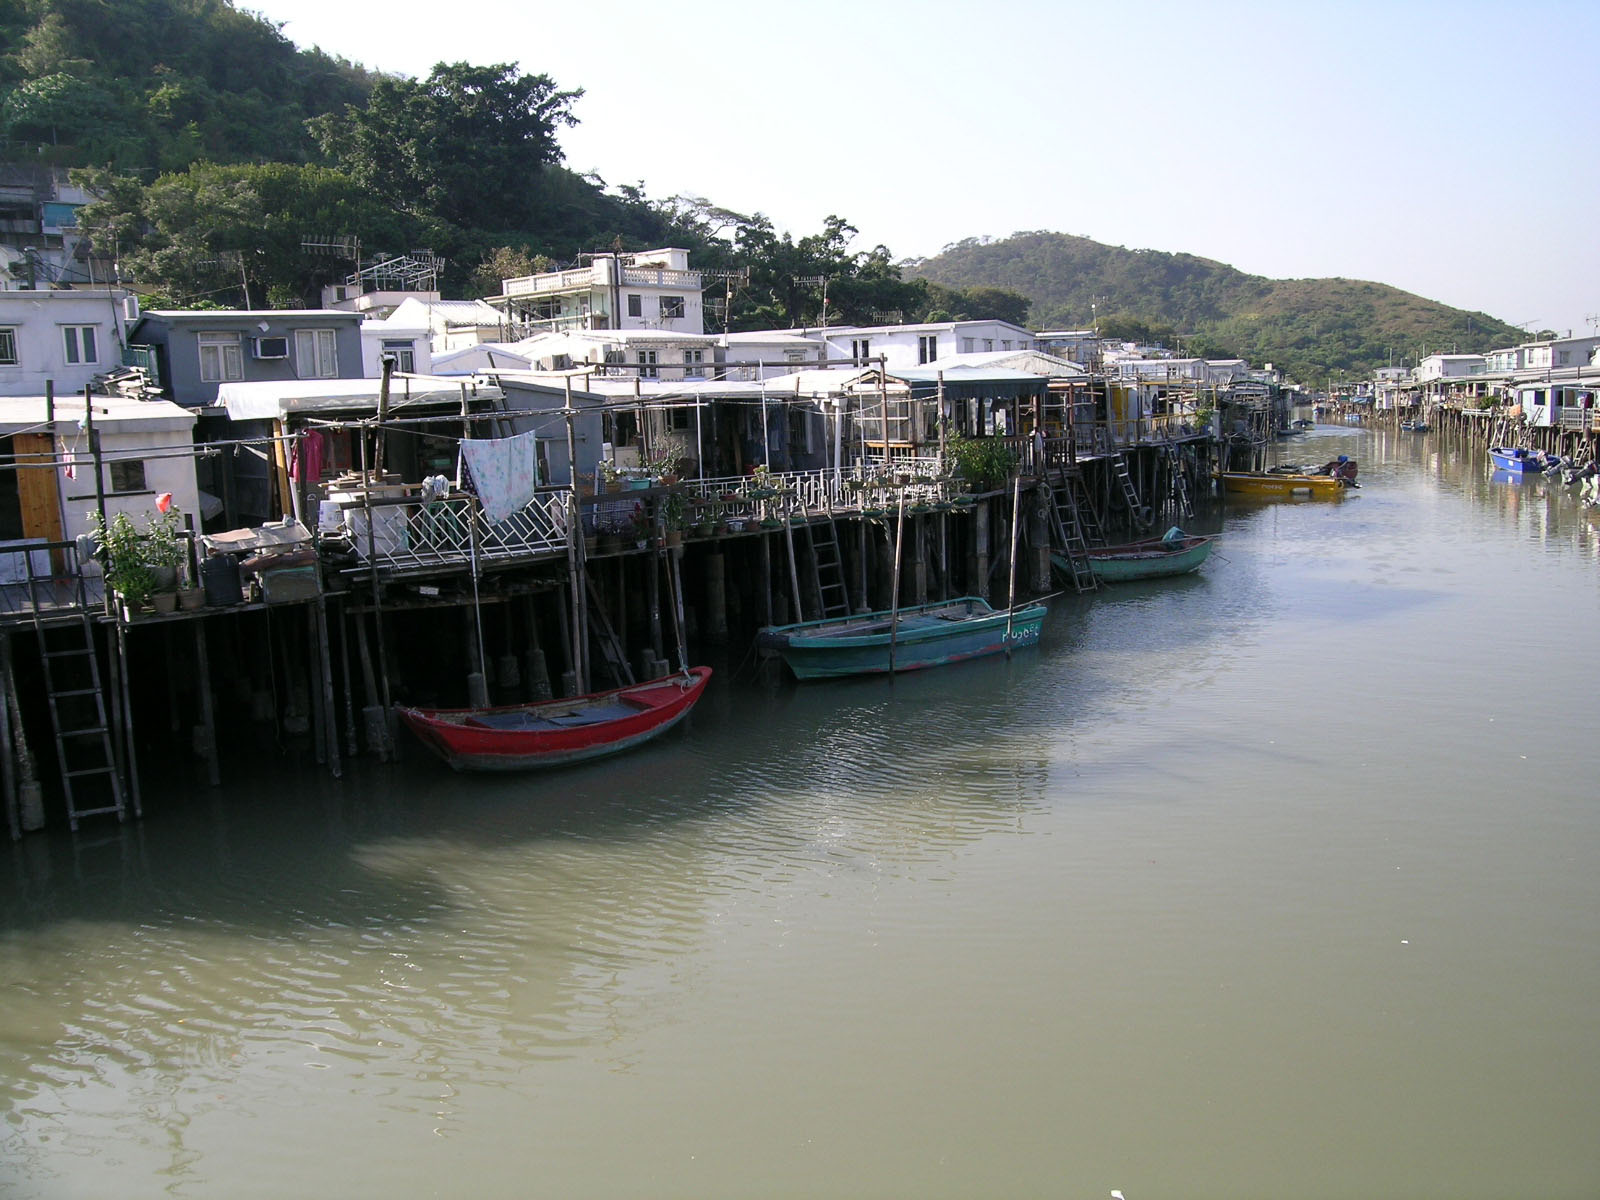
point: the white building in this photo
(1449, 366)
(451, 324)
(146, 448)
(647, 290)
(62, 337)
(402, 337)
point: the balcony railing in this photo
(410, 535)
(661, 277)
(555, 281)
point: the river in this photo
(1279, 880)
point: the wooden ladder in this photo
(1136, 510)
(77, 702)
(827, 569)
(1178, 482)
(605, 637)
(1067, 534)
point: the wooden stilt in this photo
(8, 773)
(330, 720)
(208, 716)
(132, 776)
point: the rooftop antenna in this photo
(815, 281)
(729, 278)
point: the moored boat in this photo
(1177, 553)
(1279, 484)
(1516, 459)
(552, 733)
(909, 639)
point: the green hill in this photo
(1313, 329)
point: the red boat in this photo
(552, 733)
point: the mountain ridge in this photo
(1312, 328)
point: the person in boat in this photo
(1343, 467)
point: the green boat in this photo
(1177, 553)
(910, 639)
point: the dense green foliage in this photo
(144, 85)
(1313, 329)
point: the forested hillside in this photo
(1312, 328)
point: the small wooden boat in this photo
(1516, 459)
(552, 733)
(1177, 553)
(1279, 484)
(914, 638)
(1414, 426)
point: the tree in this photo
(466, 144)
(221, 230)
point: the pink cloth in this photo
(310, 448)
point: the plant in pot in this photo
(163, 554)
(122, 561)
(675, 511)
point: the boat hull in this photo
(1515, 460)
(1154, 558)
(555, 733)
(1267, 485)
(928, 635)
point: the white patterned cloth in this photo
(505, 472)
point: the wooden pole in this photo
(208, 715)
(894, 585)
(1016, 513)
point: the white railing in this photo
(556, 281)
(441, 533)
(661, 277)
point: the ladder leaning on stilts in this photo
(90, 781)
(1067, 534)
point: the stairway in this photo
(91, 784)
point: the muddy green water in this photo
(1281, 880)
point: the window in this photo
(80, 341)
(647, 364)
(861, 349)
(635, 305)
(127, 475)
(546, 309)
(680, 419)
(966, 345)
(8, 346)
(220, 358)
(1005, 344)
(928, 348)
(314, 356)
(693, 361)
(671, 307)
(988, 345)
(403, 353)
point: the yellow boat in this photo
(1271, 484)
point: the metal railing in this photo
(407, 533)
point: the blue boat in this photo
(914, 638)
(1516, 459)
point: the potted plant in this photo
(608, 476)
(122, 561)
(163, 550)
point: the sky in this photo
(1451, 149)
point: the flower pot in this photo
(165, 602)
(166, 578)
(190, 599)
(674, 538)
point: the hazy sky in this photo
(1451, 149)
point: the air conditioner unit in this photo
(269, 347)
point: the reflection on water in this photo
(1275, 879)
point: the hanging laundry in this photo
(504, 472)
(310, 448)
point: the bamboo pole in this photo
(1016, 513)
(894, 584)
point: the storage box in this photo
(288, 585)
